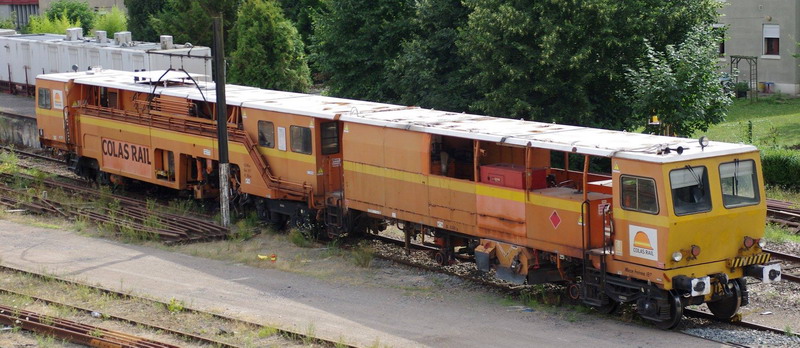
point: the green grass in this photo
(744, 109)
(777, 234)
(782, 194)
(776, 121)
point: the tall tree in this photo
(139, 12)
(680, 85)
(564, 60)
(191, 20)
(270, 52)
(429, 70)
(356, 42)
(302, 12)
(77, 11)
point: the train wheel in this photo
(726, 308)
(607, 308)
(441, 258)
(574, 292)
(675, 313)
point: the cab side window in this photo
(300, 139)
(639, 194)
(266, 134)
(44, 98)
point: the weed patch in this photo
(300, 238)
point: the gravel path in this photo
(375, 314)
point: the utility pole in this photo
(222, 122)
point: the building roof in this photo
(583, 140)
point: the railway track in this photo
(786, 214)
(297, 336)
(793, 265)
(84, 334)
(31, 154)
(127, 214)
(708, 316)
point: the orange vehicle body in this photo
(520, 208)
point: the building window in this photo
(44, 98)
(266, 134)
(719, 33)
(301, 139)
(639, 194)
(772, 35)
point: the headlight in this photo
(762, 243)
(677, 256)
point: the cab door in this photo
(330, 136)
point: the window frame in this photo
(307, 135)
(636, 209)
(324, 140)
(271, 145)
(755, 182)
(47, 96)
(771, 38)
(707, 191)
(719, 30)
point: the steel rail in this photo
(786, 257)
(178, 333)
(783, 256)
(75, 332)
(31, 154)
(708, 316)
(172, 228)
(282, 332)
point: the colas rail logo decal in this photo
(643, 242)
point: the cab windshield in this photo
(690, 193)
(739, 183)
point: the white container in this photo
(31, 55)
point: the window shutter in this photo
(772, 31)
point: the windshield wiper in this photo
(736, 177)
(695, 176)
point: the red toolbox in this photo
(511, 175)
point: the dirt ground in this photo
(319, 290)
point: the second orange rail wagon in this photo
(617, 217)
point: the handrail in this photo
(207, 128)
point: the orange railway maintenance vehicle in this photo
(618, 217)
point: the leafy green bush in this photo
(781, 167)
(112, 22)
(43, 24)
(74, 11)
(8, 23)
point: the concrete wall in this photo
(745, 20)
(18, 130)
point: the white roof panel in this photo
(591, 141)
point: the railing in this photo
(207, 128)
